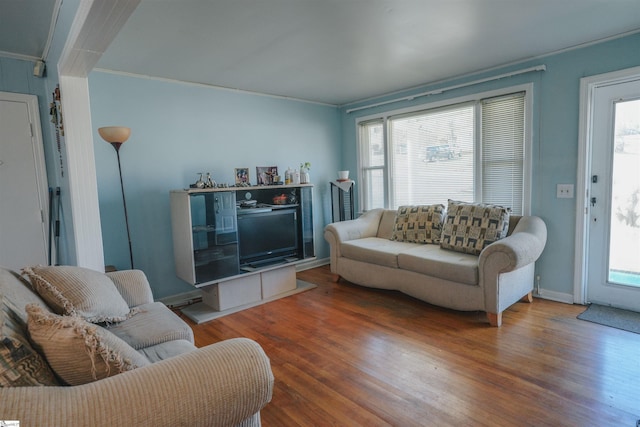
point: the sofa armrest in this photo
(336, 233)
(364, 226)
(521, 248)
(133, 286)
(222, 384)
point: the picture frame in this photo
(265, 174)
(242, 176)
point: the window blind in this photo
(432, 156)
(502, 142)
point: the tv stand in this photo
(215, 247)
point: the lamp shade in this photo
(115, 134)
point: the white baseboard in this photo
(554, 296)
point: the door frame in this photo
(37, 146)
(588, 86)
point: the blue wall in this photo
(180, 129)
(16, 76)
(555, 138)
(57, 167)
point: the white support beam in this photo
(83, 186)
(94, 27)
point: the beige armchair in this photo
(222, 384)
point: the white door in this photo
(613, 273)
(23, 188)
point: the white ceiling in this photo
(339, 51)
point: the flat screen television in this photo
(269, 236)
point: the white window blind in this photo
(503, 151)
(432, 156)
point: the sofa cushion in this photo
(77, 291)
(375, 250)
(154, 324)
(419, 224)
(80, 352)
(20, 364)
(436, 262)
(168, 349)
(470, 227)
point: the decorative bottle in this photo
(304, 176)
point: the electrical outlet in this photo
(564, 191)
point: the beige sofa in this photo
(362, 252)
(223, 384)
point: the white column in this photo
(81, 167)
(94, 27)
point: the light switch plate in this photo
(564, 191)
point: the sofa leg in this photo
(336, 278)
(527, 298)
(495, 319)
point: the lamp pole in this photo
(117, 145)
(116, 136)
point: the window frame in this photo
(361, 153)
(385, 116)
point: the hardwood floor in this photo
(345, 355)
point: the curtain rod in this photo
(446, 89)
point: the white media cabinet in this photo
(239, 247)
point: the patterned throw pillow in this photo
(76, 291)
(80, 352)
(20, 364)
(470, 227)
(418, 224)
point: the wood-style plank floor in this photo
(345, 355)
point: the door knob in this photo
(593, 201)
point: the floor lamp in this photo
(116, 136)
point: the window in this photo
(372, 162)
(470, 150)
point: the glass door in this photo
(215, 235)
(624, 235)
(614, 195)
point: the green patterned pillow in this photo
(418, 224)
(470, 227)
(20, 364)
